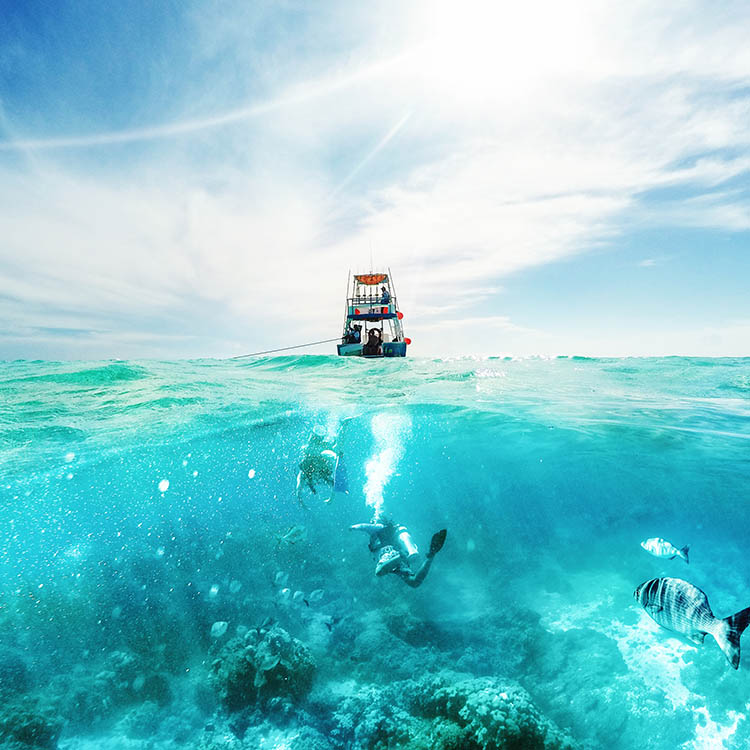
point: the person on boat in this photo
(394, 551)
(354, 335)
(386, 298)
(373, 345)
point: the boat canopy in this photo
(371, 279)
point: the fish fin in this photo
(684, 553)
(729, 636)
(697, 638)
(653, 609)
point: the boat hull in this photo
(350, 350)
(390, 349)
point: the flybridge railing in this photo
(374, 299)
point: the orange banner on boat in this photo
(371, 278)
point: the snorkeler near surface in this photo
(320, 465)
(394, 550)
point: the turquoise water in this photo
(114, 587)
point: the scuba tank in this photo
(408, 548)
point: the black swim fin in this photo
(438, 540)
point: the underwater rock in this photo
(368, 647)
(142, 722)
(575, 678)
(404, 624)
(26, 724)
(14, 676)
(262, 666)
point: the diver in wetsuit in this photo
(394, 550)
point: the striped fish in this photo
(659, 547)
(678, 605)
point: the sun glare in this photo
(479, 50)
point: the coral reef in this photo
(494, 714)
(14, 675)
(445, 712)
(90, 695)
(26, 724)
(262, 667)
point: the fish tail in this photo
(684, 553)
(728, 637)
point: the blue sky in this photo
(195, 179)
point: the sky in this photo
(197, 178)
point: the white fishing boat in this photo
(372, 321)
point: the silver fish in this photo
(659, 547)
(678, 605)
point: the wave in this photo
(103, 375)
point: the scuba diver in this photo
(394, 550)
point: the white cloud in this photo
(466, 143)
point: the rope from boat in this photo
(285, 348)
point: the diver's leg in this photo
(436, 544)
(415, 579)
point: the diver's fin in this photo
(683, 553)
(438, 540)
(340, 479)
(728, 637)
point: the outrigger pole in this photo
(284, 348)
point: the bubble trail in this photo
(390, 432)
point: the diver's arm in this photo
(370, 528)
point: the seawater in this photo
(142, 503)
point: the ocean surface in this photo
(163, 585)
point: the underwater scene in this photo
(323, 553)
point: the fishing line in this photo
(284, 348)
